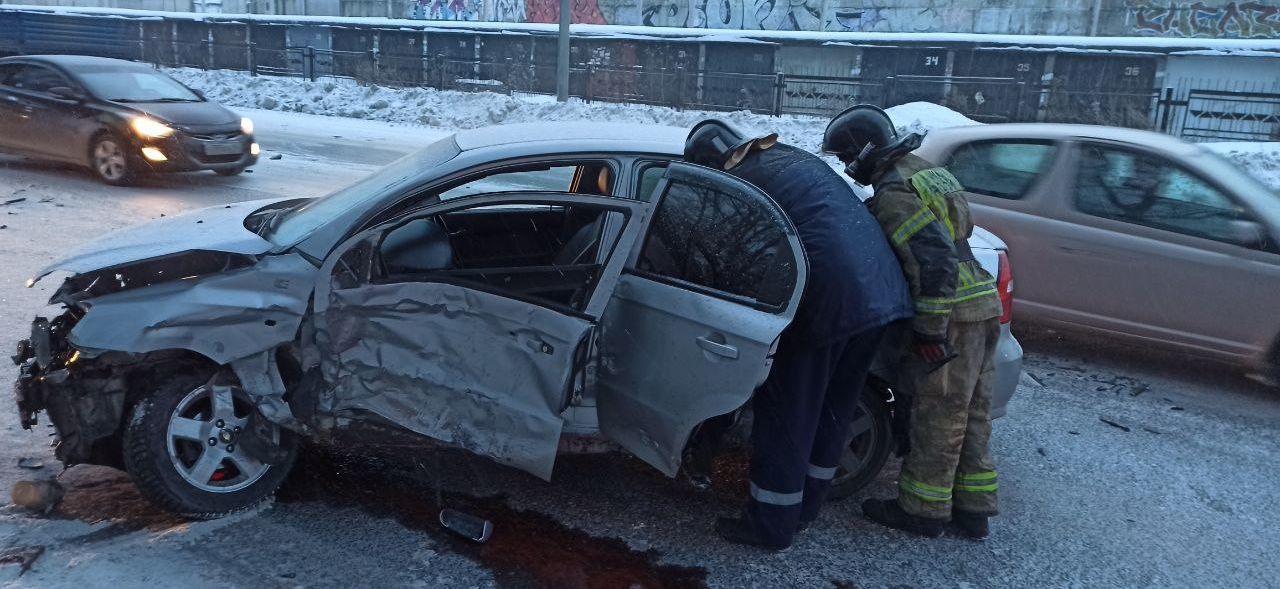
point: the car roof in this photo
(71, 62)
(1150, 139)
(605, 137)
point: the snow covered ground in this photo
(447, 110)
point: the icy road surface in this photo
(1118, 468)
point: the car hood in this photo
(219, 229)
(188, 114)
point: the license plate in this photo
(223, 148)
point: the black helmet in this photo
(861, 136)
(713, 143)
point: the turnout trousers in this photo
(802, 417)
(949, 464)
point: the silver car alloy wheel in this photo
(862, 444)
(109, 160)
(202, 440)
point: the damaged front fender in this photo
(224, 317)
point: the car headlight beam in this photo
(150, 128)
(246, 126)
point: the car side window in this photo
(6, 71)
(728, 244)
(34, 78)
(649, 176)
(1145, 190)
(1003, 169)
(544, 253)
(591, 177)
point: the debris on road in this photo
(14, 200)
(275, 157)
(1041, 452)
(471, 527)
(25, 556)
(39, 496)
(31, 463)
(1176, 408)
(1114, 424)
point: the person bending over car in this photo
(948, 473)
(855, 290)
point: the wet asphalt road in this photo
(1119, 467)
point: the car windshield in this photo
(134, 85)
(293, 225)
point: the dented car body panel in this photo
(482, 371)
(223, 317)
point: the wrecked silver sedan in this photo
(500, 291)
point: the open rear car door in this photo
(696, 315)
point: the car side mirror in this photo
(1246, 233)
(66, 93)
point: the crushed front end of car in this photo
(162, 356)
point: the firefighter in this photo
(854, 291)
(947, 371)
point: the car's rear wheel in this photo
(183, 447)
(108, 160)
(871, 440)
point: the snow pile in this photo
(468, 110)
(1262, 160)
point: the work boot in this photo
(740, 530)
(887, 512)
(970, 525)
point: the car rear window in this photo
(1003, 169)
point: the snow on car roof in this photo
(649, 137)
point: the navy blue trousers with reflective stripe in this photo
(802, 415)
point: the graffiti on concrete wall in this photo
(505, 11)
(581, 11)
(447, 9)
(769, 15)
(1197, 19)
(1183, 18)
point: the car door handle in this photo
(718, 348)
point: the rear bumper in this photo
(1008, 367)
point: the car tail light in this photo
(1004, 285)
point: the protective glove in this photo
(936, 352)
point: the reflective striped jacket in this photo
(924, 213)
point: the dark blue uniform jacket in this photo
(855, 281)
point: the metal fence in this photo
(1197, 114)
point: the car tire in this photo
(229, 171)
(869, 446)
(165, 461)
(108, 160)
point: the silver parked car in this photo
(504, 290)
(1129, 233)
